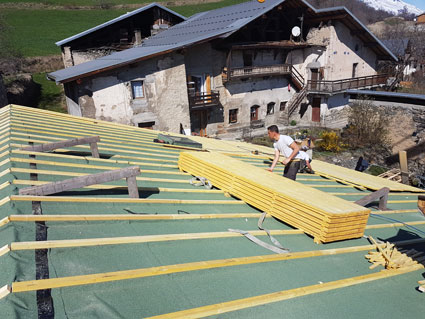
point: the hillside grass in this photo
(51, 97)
(34, 32)
(85, 3)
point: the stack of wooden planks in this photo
(358, 178)
(325, 217)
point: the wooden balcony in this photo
(338, 86)
(259, 71)
(198, 101)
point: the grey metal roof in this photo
(197, 28)
(120, 18)
(200, 27)
(212, 23)
(110, 61)
(388, 94)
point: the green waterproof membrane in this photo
(157, 294)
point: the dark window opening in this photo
(355, 65)
(148, 125)
(270, 108)
(247, 59)
(233, 116)
(282, 106)
(254, 112)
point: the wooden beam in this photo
(223, 307)
(90, 242)
(47, 147)
(381, 195)
(65, 199)
(118, 217)
(325, 18)
(4, 291)
(143, 189)
(129, 173)
(34, 285)
(404, 167)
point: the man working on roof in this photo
(285, 145)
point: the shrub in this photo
(330, 141)
(368, 126)
(293, 123)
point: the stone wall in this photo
(108, 96)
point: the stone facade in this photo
(109, 96)
(247, 104)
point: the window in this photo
(148, 125)
(354, 73)
(282, 105)
(233, 116)
(137, 89)
(254, 112)
(270, 108)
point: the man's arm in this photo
(276, 158)
(295, 150)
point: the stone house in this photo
(121, 33)
(233, 71)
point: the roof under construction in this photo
(167, 252)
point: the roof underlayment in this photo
(96, 253)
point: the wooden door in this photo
(315, 112)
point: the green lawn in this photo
(81, 2)
(51, 94)
(190, 10)
(34, 32)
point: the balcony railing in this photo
(266, 70)
(346, 84)
(203, 100)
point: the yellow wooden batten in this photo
(65, 164)
(87, 158)
(224, 307)
(303, 207)
(122, 200)
(194, 266)
(65, 173)
(51, 244)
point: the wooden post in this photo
(129, 173)
(133, 190)
(94, 150)
(403, 167)
(46, 147)
(381, 194)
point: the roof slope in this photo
(202, 27)
(111, 256)
(120, 18)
